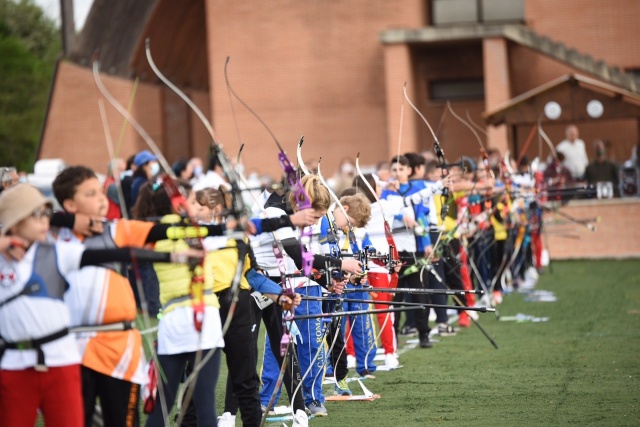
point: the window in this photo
(456, 12)
(450, 90)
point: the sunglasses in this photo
(42, 213)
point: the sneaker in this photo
(446, 330)
(342, 388)
(351, 361)
(264, 408)
(424, 341)
(391, 361)
(317, 409)
(227, 420)
(408, 331)
(497, 297)
(367, 374)
(300, 419)
(464, 321)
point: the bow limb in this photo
(546, 139)
(302, 198)
(474, 124)
(393, 251)
(443, 165)
(471, 128)
(301, 164)
(136, 125)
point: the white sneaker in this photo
(391, 361)
(300, 419)
(351, 361)
(227, 420)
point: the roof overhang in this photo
(572, 92)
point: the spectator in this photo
(575, 154)
(126, 179)
(214, 177)
(556, 175)
(147, 167)
(383, 172)
(8, 178)
(182, 169)
(602, 169)
(343, 177)
(198, 170)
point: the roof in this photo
(572, 92)
(117, 30)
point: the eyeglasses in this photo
(42, 213)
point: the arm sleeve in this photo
(292, 248)
(261, 283)
(130, 232)
(162, 231)
(63, 219)
(100, 256)
(273, 224)
(424, 194)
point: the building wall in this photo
(74, 130)
(319, 69)
(311, 68)
(616, 235)
(606, 30)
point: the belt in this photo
(34, 344)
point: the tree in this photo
(29, 45)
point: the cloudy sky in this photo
(80, 10)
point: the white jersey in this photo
(263, 249)
(36, 316)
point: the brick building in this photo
(334, 71)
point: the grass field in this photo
(582, 367)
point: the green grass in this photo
(580, 368)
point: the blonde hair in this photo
(359, 208)
(318, 194)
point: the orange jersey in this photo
(103, 295)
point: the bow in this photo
(443, 166)
(302, 202)
(394, 257)
(177, 199)
(238, 208)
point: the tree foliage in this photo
(29, 44)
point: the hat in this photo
(18, 203)
(143, 157)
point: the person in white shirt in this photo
(212, 179)
(575, 154)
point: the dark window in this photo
(456, 12)
(450, 90)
